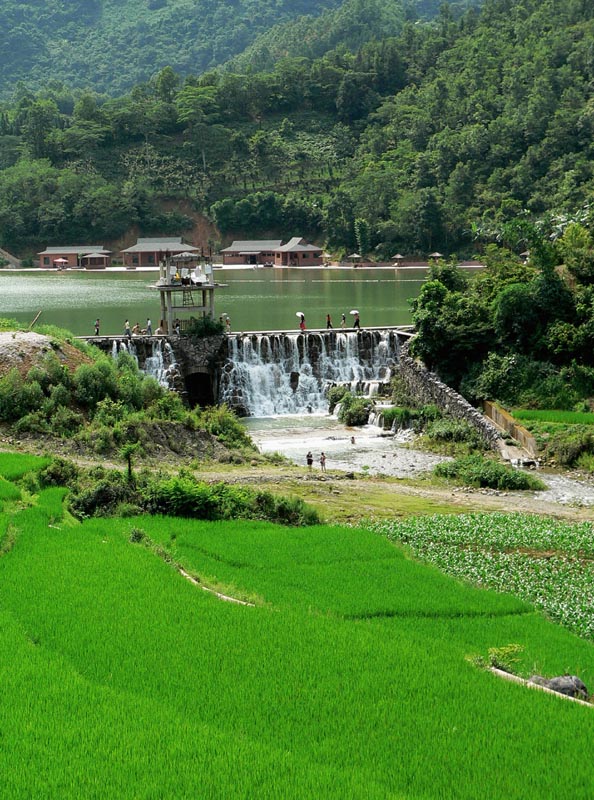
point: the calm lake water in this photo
(262, 299)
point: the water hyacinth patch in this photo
(546, 562)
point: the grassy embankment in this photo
(348, 678)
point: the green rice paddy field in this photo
(348, 676)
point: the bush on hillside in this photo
(18, 397)
(183, 496)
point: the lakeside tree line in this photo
(437, 138)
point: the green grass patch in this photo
(15, 465)
(557, 417)
(8, 491)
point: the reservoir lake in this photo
(255, 299)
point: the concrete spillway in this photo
(267, 373)
(290, 373)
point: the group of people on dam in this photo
(329, 325)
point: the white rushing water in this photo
(278, 374)
(160, 365)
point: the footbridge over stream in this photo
(264, 373)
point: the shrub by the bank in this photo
(221, 422)
(354, 410)
(486, 473)
(335, 395)
(567, 446)
(397, 417)
(454, 431)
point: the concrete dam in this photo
(266, 373)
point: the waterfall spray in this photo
(275, 374)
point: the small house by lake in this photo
(298, 253)
(148, 252)
(295, 253)
(93, 256)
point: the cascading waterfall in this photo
(123, 346)
(276, 374)
(160, 364)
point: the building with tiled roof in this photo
(93, 256)
(149, 251)
(295, 253)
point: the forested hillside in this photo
(109, 45)
(433, 139)
(352, 24)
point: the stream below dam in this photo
(375, 453)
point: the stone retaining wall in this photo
(504, 420)
(427, 388)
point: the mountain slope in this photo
(352, 24)
(110, 45)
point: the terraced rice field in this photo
(346, 678)
(560, 417)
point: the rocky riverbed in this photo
(374, 453)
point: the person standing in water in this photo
(343, 321)
(328, 321)
(357, 322)
(127, 329)
(97, 323)
(149, 327)
(302, 323)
